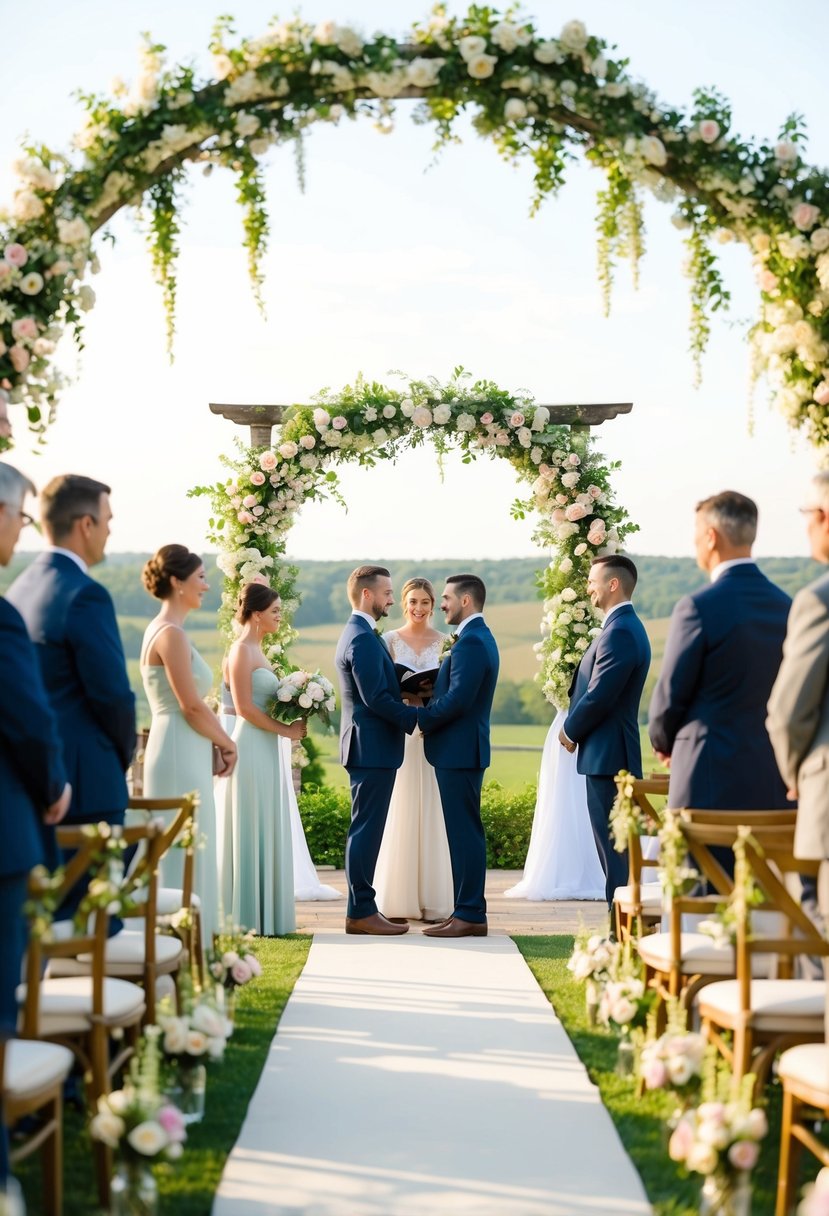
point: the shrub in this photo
(507, 817)
(312, 772)
(325, 814)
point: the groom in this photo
(373, 724)
(456, 729)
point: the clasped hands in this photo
(565, 742)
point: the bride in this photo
(562, 862)
(413, 876)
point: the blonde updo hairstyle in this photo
(416, 584)
(254, 597)
(171, 561)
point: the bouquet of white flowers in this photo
(232, 961)
(302, 695)
(137, 1120)
(593, 958)
(191, 1037)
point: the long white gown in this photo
(413, 876)
(562, 862)
(307, 885)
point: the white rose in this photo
(325, 33)
(288, 450)
(107, 1127)
(380, 436)
(480, 67)
(315, 691)
(568, 594)
(208, 1020)
(820, 239)
(565, 565)
(653, 150)
(442, 414)
(547, 52)
(524, 436)
(386, 84)
(304, 700)
(284, 695)
(515, 109)
(321, 419)
(471, 46)
(702, 1159)
(465, 422)
(370, 413)
(349, 41)
(573, 36)
(27, 206)
(148, 1138)
(73, 232)
(423, 73)
(31, 283)
(505, 36)
(422, 416)
(175, 1036)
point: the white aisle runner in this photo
(413, 1077)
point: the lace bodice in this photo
(401, 652)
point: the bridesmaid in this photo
(257, 863)
(179, 755)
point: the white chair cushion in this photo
(169, 901)
(32, 1066)
(700, 955)
(66, 1003)
(800, 1003)
(126, 949)
(651, 895)
(808, 1063)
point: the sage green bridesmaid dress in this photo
(257, 879)
(178, 760)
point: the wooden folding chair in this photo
(765, 1016)
(637, 906)
(31, 1083)
(804, 1075)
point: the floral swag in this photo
(533, 95)
(568, 484)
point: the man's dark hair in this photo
(363, 576)
(471, 585)
(67, 498)
(733, 514)
(621, 567)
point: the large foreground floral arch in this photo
(568, 484)
(532, 95)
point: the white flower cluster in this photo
(718, 1136)
(306, 692)
(593, 959)
(201, 1032)
(673, 1061)
(621, 1001)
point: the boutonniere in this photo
(446, 648)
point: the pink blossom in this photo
(517, 419)
(257, 478)
(767, 281)
(805, 216)
(307, 442)
(250, 500)
(544, 470)
(786, 152)
(594, 492)
(25, 328)
(575, 512)
(422, 417)
(339, 423)
(240, 971)
(5, 272)
(172, 1120)
(19, 357)
(245, 517)
(709, 130)
(654, 1074)
(557, 516)
(486, 418)
(596, 535)
(254, 964)
(743, 1154)
(16, 255)
(681, 1141)
(268, 461)
(574, 459)
(502, 439)
(288, 450)
(822, 393)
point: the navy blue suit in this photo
(708, 710)
(32, 777)
(603, 720)
(373, 724)
(455, 724)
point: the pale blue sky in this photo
(382, 265)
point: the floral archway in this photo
(566, 479)
(534, 96)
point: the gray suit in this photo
(798, 717)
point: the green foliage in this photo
(312, 773)
(508, 819)
(325, 814)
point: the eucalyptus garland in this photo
(534, 95)
(566, 481)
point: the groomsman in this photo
(33, 791)
(798, 710)
(725, 642)
(455, 725)
(603, 719)
(71, 620)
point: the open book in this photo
(413, 681)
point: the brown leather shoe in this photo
(455, 927)
(376, 924)
(396, 920)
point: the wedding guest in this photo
(725, 642)
(603, 719)
(256, 863)
(34, 794)
(413, 877)
(798, 709)
(184, 731)
(71, 620)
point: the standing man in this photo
(456, 729)
(71, 620)
(723, 651)
(373, 724)
(603, 719)
(798, 710)
(33, 791)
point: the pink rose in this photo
(240, 971)
(339, 423)
(517, 419)
(19, 357)
(805, 216)
(25, 328)
(307, 442)
(681, 1141)
(254, 964)
(597, 533)
(250, 500)
(288, 450)
(557, 516)
(486, 418)
(245, 517)
(422, 417)
(172, 1121)
(786, 153)
(574, 459)
(5, 272)
(544, 470)
(16, 255)
(709, 130)
(268, 461)
(257, 478)
(575, 512)
(822, 393)
(654, 1074)
(594, 492)
(767, 281)
(743, 1154)
(502, 439)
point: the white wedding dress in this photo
(307, 885)
(562, 862)
(413, 876)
